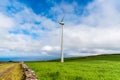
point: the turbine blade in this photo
(62, 18)
(56, 20)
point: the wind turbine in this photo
(62, 39)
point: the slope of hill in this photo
(102, 67)
(109, 57)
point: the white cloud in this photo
(5, 21)
(50, 48)
(47, 48)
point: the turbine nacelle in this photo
(61, 23)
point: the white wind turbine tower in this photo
(62, 39)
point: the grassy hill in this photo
(109, 57)
(102, 67)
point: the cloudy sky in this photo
(29, 29)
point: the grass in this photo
(15, 73)
(104, 67)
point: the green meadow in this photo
(103, 67)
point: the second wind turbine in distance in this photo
(62, 39)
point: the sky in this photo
(29, 29)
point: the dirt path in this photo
(6, 70)
(12, 72)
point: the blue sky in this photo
(29, 29)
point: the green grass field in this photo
(104, 67)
